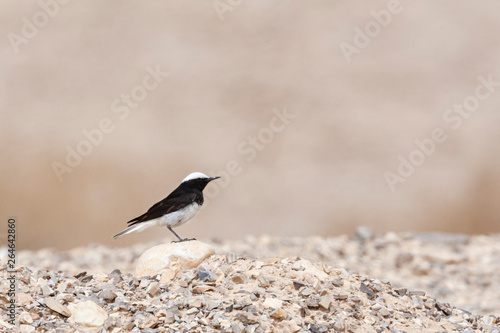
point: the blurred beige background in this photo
(67, 68)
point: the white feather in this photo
(194, 175)
(179, 217)
(137, 228)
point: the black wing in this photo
(168, 205)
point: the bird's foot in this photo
(184, 240)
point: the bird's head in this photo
(199, 176)
(198, 179)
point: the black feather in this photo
(185, 194)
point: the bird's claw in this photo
(183, 240)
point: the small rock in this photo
(444, 308)
(238, 278)
(384, 312)
(144, 283)
(225, 324)
(488, 320)
(401, 291)
(25, 318)
(364, 288)
(325, 301)
(107, 294)
(167, 276)
(313, 301)
(298, 284)
(307, 291)
(87, 313)
(341, 297)
(272, 303)
(237, 327)
(145, 320)
(115, 274)
(264, 281)
(429, 304)
(129, 325)
(191, 311)
(57, 307)
(308, 267)
(231, 257)
(111, 322)
(26, 328)
(24, 298)
(170, 316)
(272, 260)
(247, 318)
(153, 288)
(288, 326)
(47, 290)
(279, 314)
(337, 283)
(196, 302)
(206, 275)
(417, 302)
(202, 289)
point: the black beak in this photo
(213, 178)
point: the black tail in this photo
(136, 220)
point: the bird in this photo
(176, 209)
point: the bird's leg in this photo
(179, 239)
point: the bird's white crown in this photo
(195, 175)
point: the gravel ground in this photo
(364, 282)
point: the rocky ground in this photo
(360, 283)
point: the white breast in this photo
(179, 217)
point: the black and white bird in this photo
(176, 209)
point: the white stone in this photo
(87, 313)
(153, 288)
(288, 326)
(26, 328)
(57, 307)
(272, 303)
(308, 267)
(174, 256)
(25, 318)
(24, 298)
